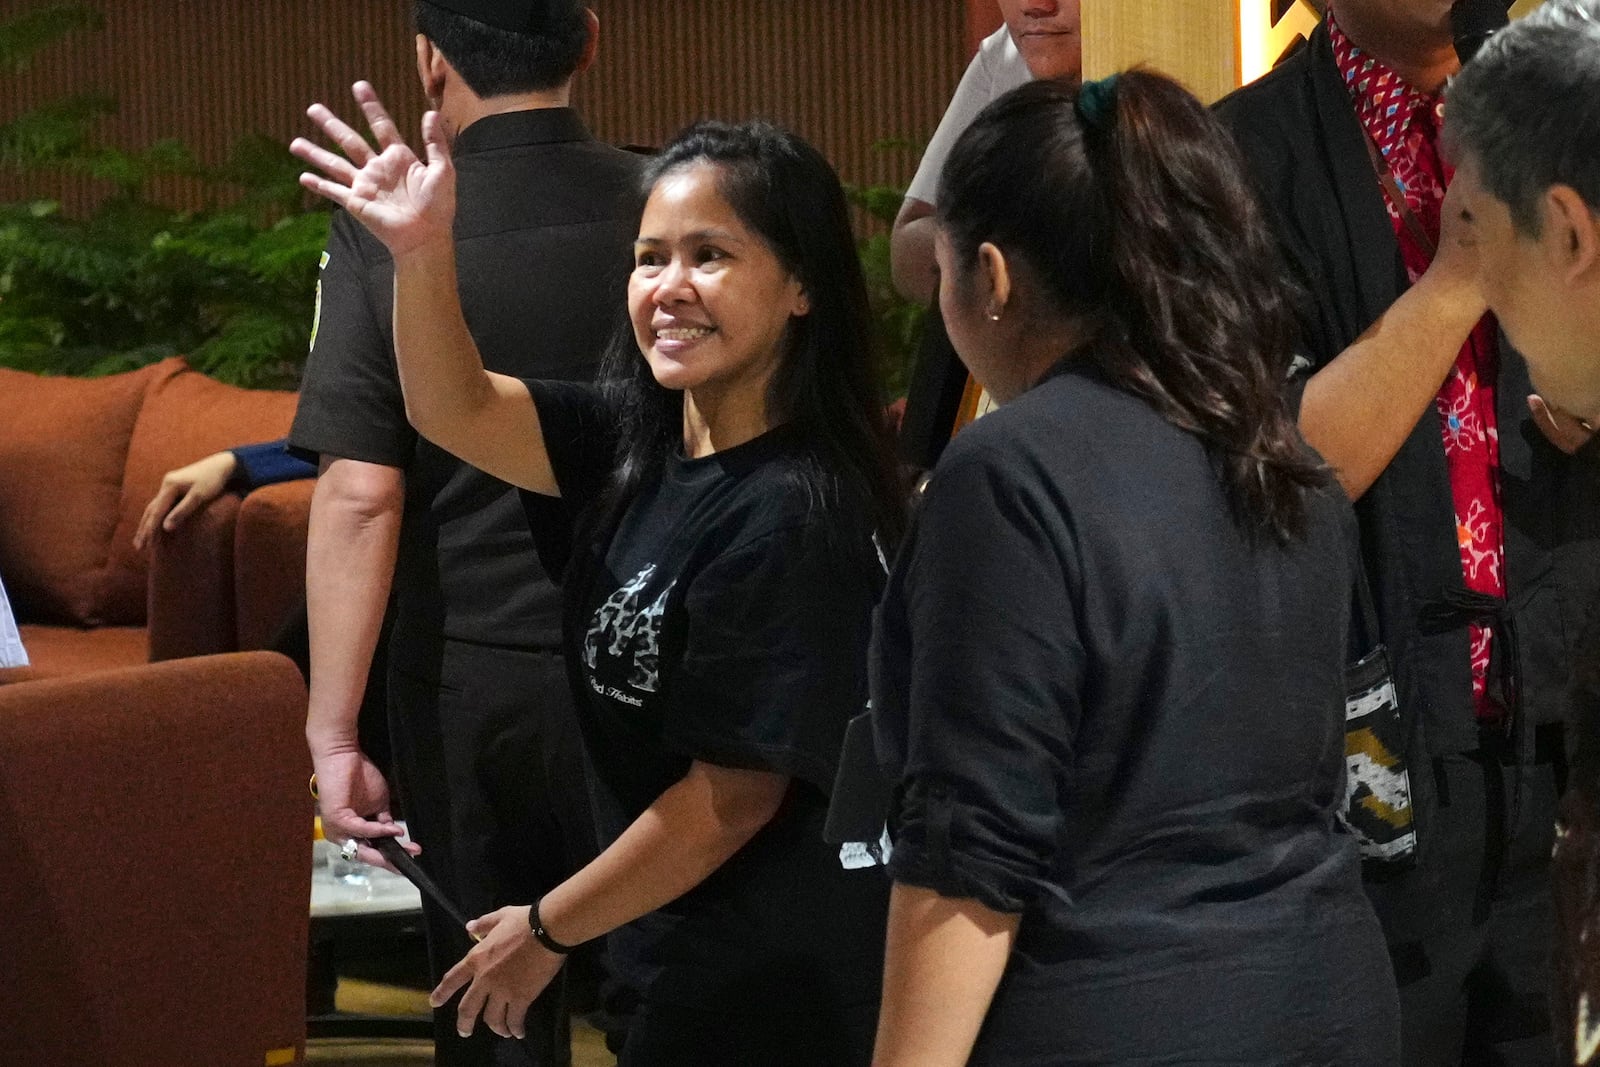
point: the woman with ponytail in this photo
(1108, 668)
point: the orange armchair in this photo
(156, 826)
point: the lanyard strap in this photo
(1397, 198)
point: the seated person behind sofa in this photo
(188, 489)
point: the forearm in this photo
(944, 961)
(350, 558)
(912, 265)
(691, 830)
(441, 370)
(1359, 409)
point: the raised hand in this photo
(406, 203)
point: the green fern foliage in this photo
(24, 36)
(136, 281)
(897, 322)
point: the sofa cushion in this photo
(186, 416)
(66, 651)
(63, 450)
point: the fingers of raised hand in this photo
(435, 138)
(384, 130)
(333, 165)
(339, 132)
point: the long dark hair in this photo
(1133, 211)
(827, 383)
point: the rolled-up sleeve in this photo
(992, 683)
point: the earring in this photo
(994, 314)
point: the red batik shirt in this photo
(1404, 123)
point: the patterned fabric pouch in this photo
(1377, 792)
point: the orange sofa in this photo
(79, 459)
(156, 829)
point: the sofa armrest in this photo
(190, 599)
(158, 844)
(269, 560)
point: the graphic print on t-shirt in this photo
(627, 627)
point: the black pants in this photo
(490, 769)
(728, 1035)
(1474, 978)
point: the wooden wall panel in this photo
(1195, 41)
(844, 73)
(983, 18)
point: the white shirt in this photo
(11, 650)
(997, 69)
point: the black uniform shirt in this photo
(544, 231)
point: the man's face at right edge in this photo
(1544, 288)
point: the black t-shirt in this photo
(1110, 710)
(544, 234)
(723, 615)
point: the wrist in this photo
(542, 934)
(427, 253)
(1455, 296)
(327, 736)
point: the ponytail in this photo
(1129, 201)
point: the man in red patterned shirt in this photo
(1479, 533)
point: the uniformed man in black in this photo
(487, 757)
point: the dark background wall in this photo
(844, 73)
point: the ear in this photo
(993, 281)
(1572, 233)
(591, 21)
(431, 69)
(801, 304)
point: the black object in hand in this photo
(391, 849)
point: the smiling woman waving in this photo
(723, 493)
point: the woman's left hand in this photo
(502, 974)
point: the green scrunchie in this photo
(1097, 102)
